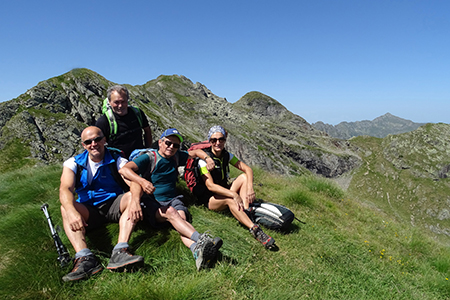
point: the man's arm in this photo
(129, 172)
(203, 155)
(67, 199)
(147, 137)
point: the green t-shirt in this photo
(165, 172)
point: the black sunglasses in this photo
(169, 143)
(214, 140)
(97, 140)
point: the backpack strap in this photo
(138, 114)
(108, 112)
(112, 122)
(115, 172)
(115, 153)
(78, 175)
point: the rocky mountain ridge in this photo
(43, 125)
(378, 127)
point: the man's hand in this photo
(76, 221)
(147, 186)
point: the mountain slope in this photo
(407, 175)
(378, 127)
(43, 125)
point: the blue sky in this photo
(327, 61)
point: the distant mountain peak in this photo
(378, 127)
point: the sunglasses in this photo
(214, 140)
(169, 143)
(97, 140)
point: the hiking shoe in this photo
(206, 250)
(217, 241)
(121, 259)
(262, 237)
(83, 267)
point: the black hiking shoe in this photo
(206, 250)
(83, 267)
(262, 237)
(122, 260)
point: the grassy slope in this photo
(346, 250)
(418, 200)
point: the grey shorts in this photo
(108, 212)
(150, 206)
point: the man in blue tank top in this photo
(91, 175)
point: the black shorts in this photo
(150, 206)
(108, 212)
(203, 195)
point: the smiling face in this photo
(93, 141)
(217, 141)
(168, 146)
(119, 103)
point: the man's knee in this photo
(171, 213)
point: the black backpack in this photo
(271, 215)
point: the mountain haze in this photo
(378, 127)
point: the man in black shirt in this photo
(130, 123)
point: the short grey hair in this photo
(119, 89)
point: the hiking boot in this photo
(83, 267)
(262, 237)
(206, 250)
(121, 259)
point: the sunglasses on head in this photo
(169, 143)
(214, 140)
(97, 140)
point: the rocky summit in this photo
(43, 125)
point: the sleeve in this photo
(71, 164)
(202, 167)
(121, 162)
(142, 162)
(233, 160)
(102, 123)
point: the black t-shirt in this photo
(129, 132)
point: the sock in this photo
(83, 252)
(195, 236)
(192, 247)
(121, 245)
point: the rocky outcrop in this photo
(49, 117)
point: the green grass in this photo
(347, 249)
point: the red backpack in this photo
(191, 171)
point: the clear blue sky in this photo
(323, 60)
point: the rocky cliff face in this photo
(379, 127)
(45, 123)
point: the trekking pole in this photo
(63, 255)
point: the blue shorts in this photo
(150, 207)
